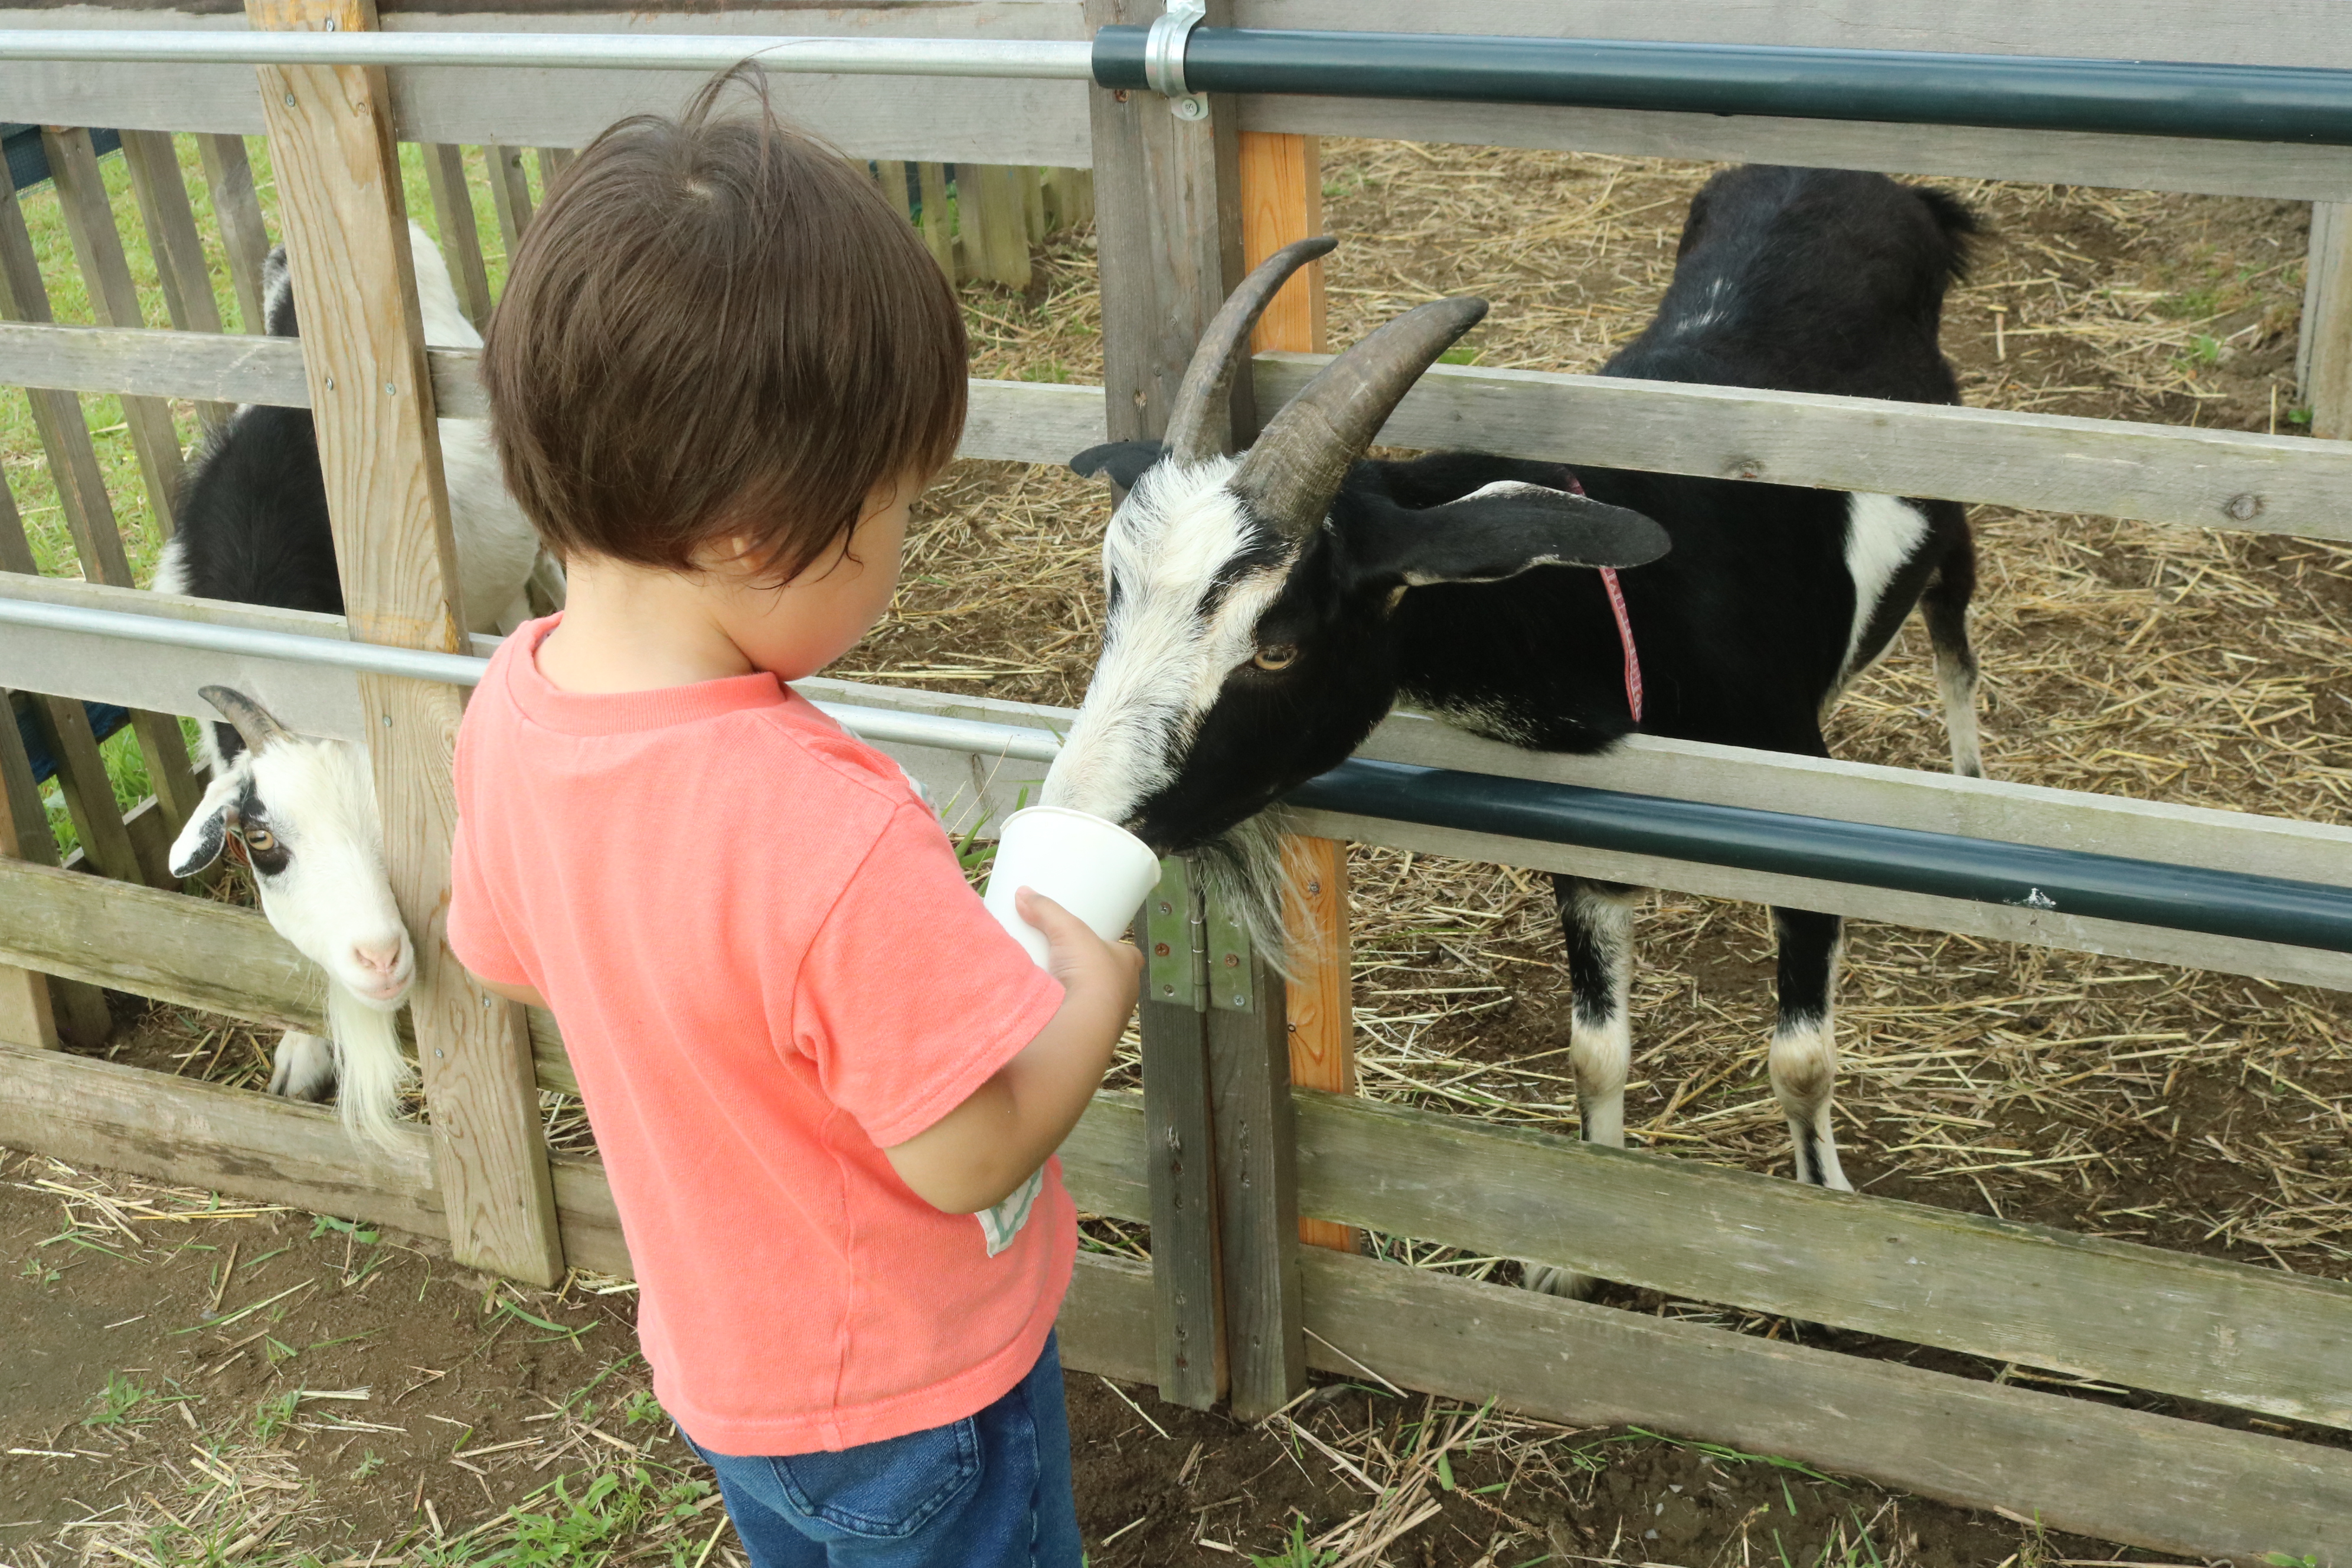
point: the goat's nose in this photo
(383, 957)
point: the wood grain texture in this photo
(1258, 1198)
(510, 193)
(178, 248)
(1191, 1368)
(1103, 1158)
(1168, 209)
(27, 1015)
(2118, 1474)
(195, 1135)
(2205, 479)
(995, 232)
(938, 231)
(2257, 1339)
(1282, 200)
(65, 734)
(1105, 1321)
(340, 200)
(106, 270)
(2324, 350)
(228, 174)
(454, 227)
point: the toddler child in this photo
(721, 372)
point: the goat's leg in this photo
(1945, 608)
(1597, 919)
(303, 1066)
(1804, 1041)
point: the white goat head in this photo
(305, 812)
(1248, 643)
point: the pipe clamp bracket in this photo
(1163, 58)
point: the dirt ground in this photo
(162, 1402)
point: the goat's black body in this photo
(253, 514)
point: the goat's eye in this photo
(1282, 656)
(259, 838)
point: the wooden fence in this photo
(1232, 1305)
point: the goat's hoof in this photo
(1551, 1279)
(303, 1067)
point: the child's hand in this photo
(1076, 956)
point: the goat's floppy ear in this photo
(199, 843)
(1123, 461)
(1500, 532)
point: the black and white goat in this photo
(253, 527)
(1265, 612)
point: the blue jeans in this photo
(991, 1489)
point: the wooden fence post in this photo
(1180, 1149)
(1282, 200)
(461, 238)
(98, 245)
(228, 172)
(340, 198)
(1169, 208)
(2324, 358)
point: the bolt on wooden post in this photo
(346, 227)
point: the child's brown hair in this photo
(716, 330)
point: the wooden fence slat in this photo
(1180, 1165)
(171, 238)
(550, 161)
(510, 194)
(2201, 1328)
(98, 247)
(2067, 1464)
(460, 238)
(994, 226)
(28, 1016)
(1105, 1321)
(938, 226)
(2324, 356)
(1257, 1191)
(341, 199)
(237, 208)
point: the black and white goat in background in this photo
(253, 527)
(1265, 612)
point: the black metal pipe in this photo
(2133, 98)
(1944, 864)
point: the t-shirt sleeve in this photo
(475, 933)
(912, 996)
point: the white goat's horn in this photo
(1201, 425)
(249, 719)
(1291, 475)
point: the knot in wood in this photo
(2244, 507)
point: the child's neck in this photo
(635, 628)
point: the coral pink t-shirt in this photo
(768, 969)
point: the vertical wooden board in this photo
(1004, 237)
(172, 238)
(890, 179)
(552, 160)
(939, 224)
(2324, 351)
(1169, 206)
(1257, 1197)
(1319, 997)
(1188, 1318)
(1033, 203)
(341, 199)
(237, 208)
(98, 247)
(460, 238)
(510, 194)
(1282, 200)
(89, 793)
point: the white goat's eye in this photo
(1280, 657)
(259, 838)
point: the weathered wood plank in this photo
(2201, 1328)
(1181, 1160)
(2069, 1464)
(1257, 1191)
(179, 250)
(2204, 478)
(228, 174)
(1103, 1158)
(510, 193)
(97, 247)
(460, 238)
(340, 197)
(1319, 1004)
(989, 201)
(1105, 1321)
(2323, 350)
(197, 1134)
(89, 793)
(939, 229)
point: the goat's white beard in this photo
(1246, 874)
(370, 1073)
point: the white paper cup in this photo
(1096, 870)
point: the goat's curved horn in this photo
(249, 719)
(1291, 475)
(1201, 425)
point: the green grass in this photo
(22, 460)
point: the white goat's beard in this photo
(370, 1073)
(1246, 874)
